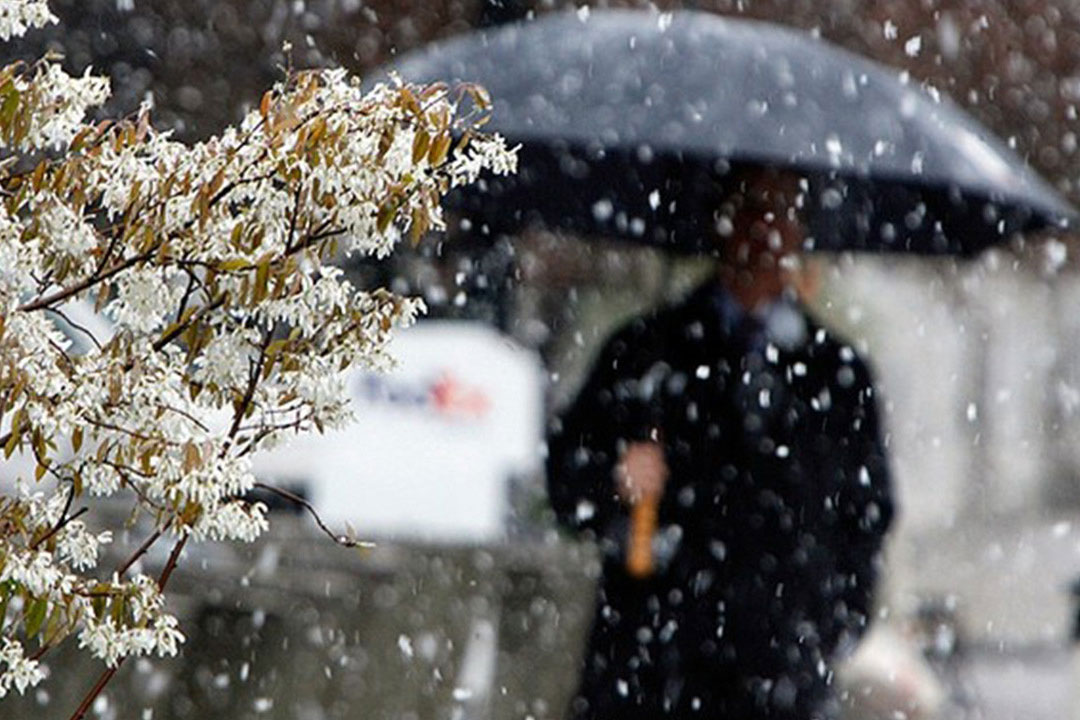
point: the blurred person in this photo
(753, 433)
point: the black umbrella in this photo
(629, 119)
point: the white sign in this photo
(435, 442)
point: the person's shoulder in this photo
(635, 336)
(835, 349)
(654, 325)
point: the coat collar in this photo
(784, 323)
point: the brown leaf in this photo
(102, 297)
(192, 457)
(440, 149)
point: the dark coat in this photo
(770, 525)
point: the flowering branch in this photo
(222, 322)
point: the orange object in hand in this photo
(643, 521)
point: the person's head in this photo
(760, 231)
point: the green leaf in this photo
(35, 616)
(237, 235)
(54, 626)
(16, 432)
(385, 215)
(233, 264)
(10, 103)
(5, 598)
(119, 605)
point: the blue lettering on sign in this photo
(444, 395)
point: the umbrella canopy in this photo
(629, 120)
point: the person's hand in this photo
(641, 472)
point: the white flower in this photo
(167, 637)
(105, 641)
(144, 300)
(21, 672)
(146, 599)
(62, 104)
(226, 360)
(79, 548)
(35, 571)
(102, 480)
(232, 521)
(155, 631)
(18, 16)
(42, 511)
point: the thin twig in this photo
(60, 526)
(342, 540)
(131, 433)
(183, 413)
(67, 358)
(153, 538)
(107, 675)
(310, 240)
(187, 293)
(103, 680)
(41, 461)
(40, 653)
(163, 579)
(170, 565)
(77, 326)
(122, 471)
(249, 393)
(168, 337)
(295, 214)
(64, 293)
(107, 255)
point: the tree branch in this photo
(131, 433)
(183, 413)
(64, 522)
(295, 215)
(107, 675)
(249, 393)
(170, 565)
(103, 680)
(168, 337)
(77, 326)
(342, 540)
(147, 544)
(64, 293)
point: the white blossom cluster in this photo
(221, 325)
(18, 16)
(61, 103)
(152, 630)
(19, 671)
